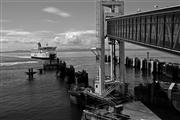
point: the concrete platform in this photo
(138, 111)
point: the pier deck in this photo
(138, 111)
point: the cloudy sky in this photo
(64, 23)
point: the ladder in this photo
(109, 90)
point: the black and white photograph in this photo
(89, 59)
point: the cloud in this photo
(18, 39)
(50, 21)
(66, 40)
(6, 31)
(3, 40)
(77, 39)
(4, 21)
(19, 33)
(14, 32)
(16, 36)
(56, 11)
(77, 33)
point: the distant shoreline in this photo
(68, 50)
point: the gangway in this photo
(159, 29)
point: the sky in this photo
(63, 23)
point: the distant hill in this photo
(70, 50)
(16, 51)
(74, 50)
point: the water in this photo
(46, 97)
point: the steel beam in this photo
(146, 45)
(150, 29)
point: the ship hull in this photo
(43, 58)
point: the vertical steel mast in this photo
(102, 45)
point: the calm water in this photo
(46, 97)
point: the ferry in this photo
(46, 52)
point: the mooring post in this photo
(40, 71)
(29, 73)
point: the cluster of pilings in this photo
(108, 59)
(140, 64)
(53, 64)
(82, 78)
(171, 70)
(154, 93)
(70, 76)
(61, 69)
(50, 65)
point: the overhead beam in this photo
(113, 3)
(146, 45)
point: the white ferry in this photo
(46, 52)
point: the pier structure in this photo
(157, 29)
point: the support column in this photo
(102, 54)
(112, 60)
(114, 57)
(121, 65)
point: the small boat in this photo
(46, 52)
